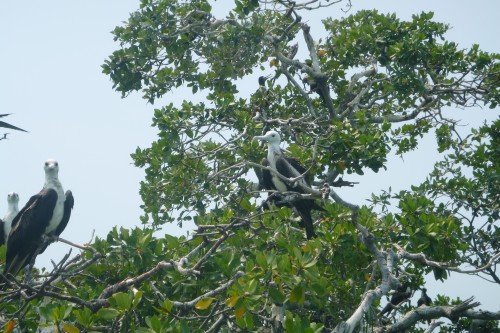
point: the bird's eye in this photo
(56, 164)
(46, 163)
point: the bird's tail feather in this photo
(307, 222)
(16, 265)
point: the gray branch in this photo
(431, 312)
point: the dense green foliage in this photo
(372, 86)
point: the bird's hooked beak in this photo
(259, 138)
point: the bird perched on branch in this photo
(261, 100)
(403, 292)
(292, 51)
(12, 210)
(424, 298)
(45, 214)
(289, 168)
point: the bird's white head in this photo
(271, 137)
(273, 140)
(51, 168)
(13, 198)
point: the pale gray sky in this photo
(52, 83)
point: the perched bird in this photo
(289, 168)
(262, 82)
(12, 210)
(261, 100)
(424, 298)
(403, 292)
(45, 214)
(292, 51)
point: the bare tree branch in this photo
(422, 259)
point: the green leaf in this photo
(68, 328)
(311, 263)
(276, 295)
(154, 323)
(137, 298)
(249, 321)
(108, 313)
(261, 260)
(298, 295)
(121, 301)
(167, 305)
(143, 330)
(232, 301)
(84, 317)
(204, 303)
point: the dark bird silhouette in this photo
(403, 292)
(6, 125)
(262, 81)
(262, 101)
(424, 298)
(290, 168)
(45, 214)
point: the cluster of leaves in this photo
(248, 269)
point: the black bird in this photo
(424, 298)
(45, 214)
(403, 292)
(290, 168)
(262, 81)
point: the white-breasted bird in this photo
(289, 168)
(12, 210)
(45, 214)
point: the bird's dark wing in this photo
(303, 208)
(285, 166)
(2, 232)
(402, 293)
(295, 164)
(27, 229)
(424, 299)
(267, 180)
(68, 206)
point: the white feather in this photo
(12, 210)
(52, 181)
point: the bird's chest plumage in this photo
(58, 210)
(8, 221)
(277, 181)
